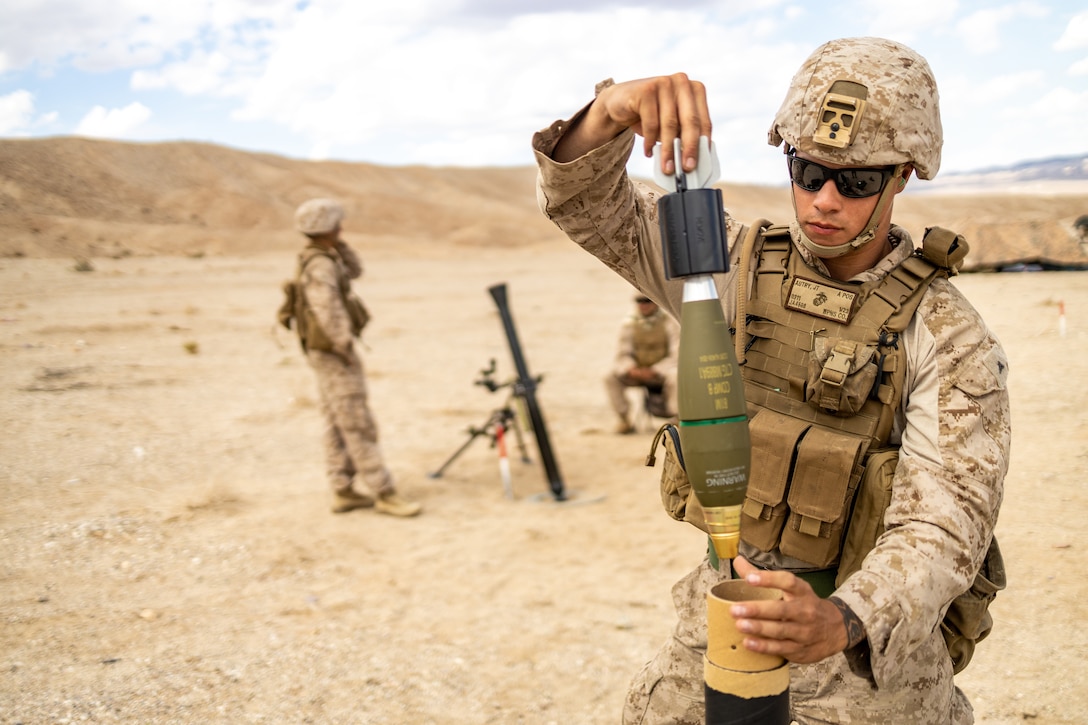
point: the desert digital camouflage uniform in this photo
(954, 428)
(351, 435)
(645, 341)
(327, 316)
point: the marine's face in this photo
(827, 217)
(328, 239)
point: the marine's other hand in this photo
(801, 626)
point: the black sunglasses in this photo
(855, 183)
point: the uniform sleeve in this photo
(612, 217)
(948, 485)
(350, 259)
(320, 283)
(595, 204)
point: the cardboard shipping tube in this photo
(729, 667)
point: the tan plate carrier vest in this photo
(649, 338)
(824, 372)
(824, 375)
(296, 310)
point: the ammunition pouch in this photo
(968, 620)
(768, 517)
(944, 248)
(800, 503)
(874, 495)
(286, 313)
(841, 376)
(295, 311)
(765, 510)
(827, 471)
(358, 313)
(677, 495)
(804, 519)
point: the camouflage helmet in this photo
(318, 216)
(863, 102)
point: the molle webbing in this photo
(892, 304)
(650, 339)
(311, 336)
(781, 340)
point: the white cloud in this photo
(499, 82)
(1075, 35)
(906, 21)
(113, 123)
(1056, 106)
(98, 36)
(1080, 68)
(1059, 116)
(200, 73)
(981, 31)
(1004, 88)
(101, 37)
(1039, 126)
(16, 111)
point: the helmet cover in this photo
(318, 216)
(863, 102)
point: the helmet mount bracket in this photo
(840, 114)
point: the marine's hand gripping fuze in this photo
(710, 392)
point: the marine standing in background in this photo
(328, 318)
(645, 358)
(879, 413)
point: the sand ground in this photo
(167, 553)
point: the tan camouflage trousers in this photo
(617, 386)
(352, 453)
(669, 689)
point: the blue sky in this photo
(448, 83)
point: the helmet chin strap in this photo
(867, 235)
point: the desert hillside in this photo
(73, 197)
(70, 196)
